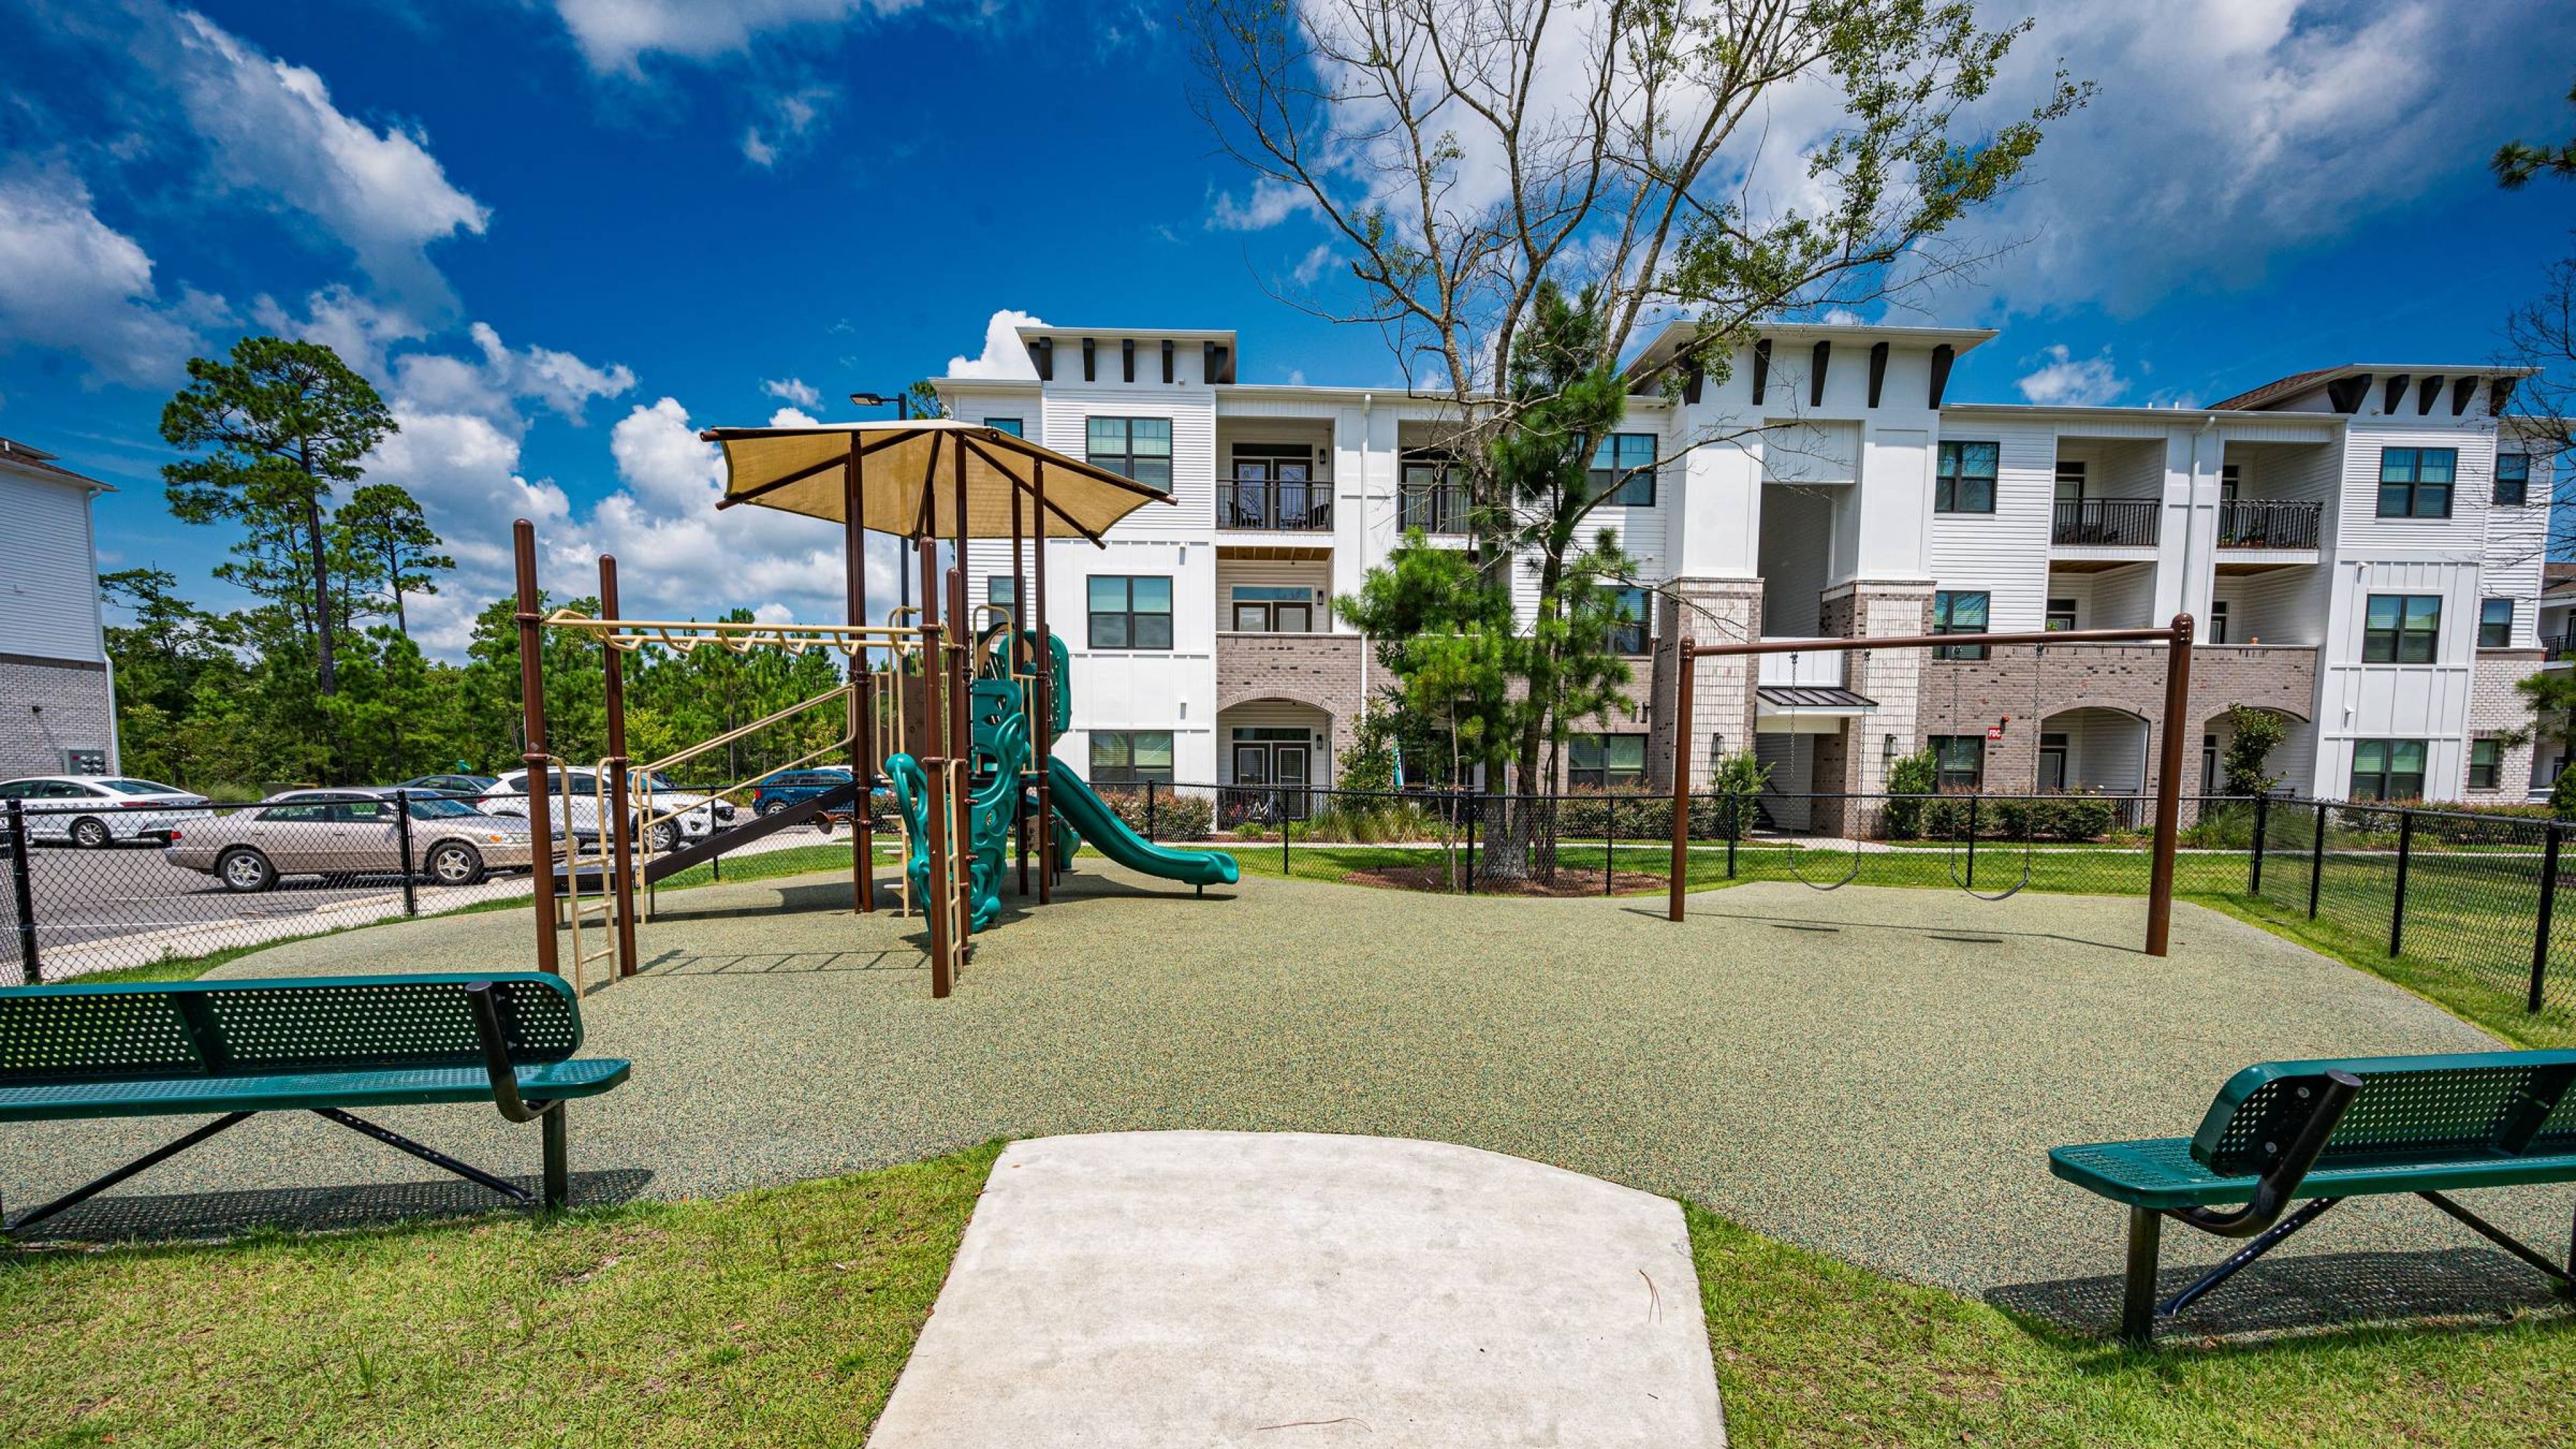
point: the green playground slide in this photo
(1102, 829)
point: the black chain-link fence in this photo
(2451, 901)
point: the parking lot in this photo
(97, 910)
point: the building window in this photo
(2401, 629)
(2513, 478)
(2486, 764)
(1628, 636)
(2387, 770)
(2217, 621)
(2061, 614)
(1965, 478)
(2052, 763)
(1141, 448)
(1960, 759)
(1131, 757)
(2416, 482)
(1001, 591)
(1959, 613)
(1131, 613)
(1429, 499)
(1605, 762)
(2495, 623)
(1623, 470)
(1005, 425)
(1268, 609)
(2209, 764)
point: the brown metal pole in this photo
(863, 765)
(961, 618)
(962, 799)
(621, 833)
(1046, 703)
(532, 715)
(936, 900)
(2160, 879)
(1687, 664)
(1019, 662)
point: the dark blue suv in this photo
(782, 790)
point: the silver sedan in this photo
(347, 832)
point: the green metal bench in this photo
(2330, 1130)
(321, 1045)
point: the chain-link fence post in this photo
(19, 846)
(1150, 821)
(402, 835)
(2540, 932)
(1733, 804)
(2316, 860)
(2397, 906)
(1279, 812)
(1475, 810)
(2262, 830)
(1610, 849)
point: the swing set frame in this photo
(2176, 637)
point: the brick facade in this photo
(2496, 707)
(48, 706)
(1709, 610)
(1322, 670)
(1846, 762)
(2127, 678)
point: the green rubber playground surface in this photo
(1875, 1074)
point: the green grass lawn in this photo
(782, 1317)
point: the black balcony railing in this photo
(1440, 508)
(2246, 524)
(1295, 507)
(2558, 647)
(2107, 522)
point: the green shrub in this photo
(1370, 822)
(2055, 817)
(1916, 774)
(1175, 816)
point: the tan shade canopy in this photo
(907, 475)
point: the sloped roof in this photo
(37, 460)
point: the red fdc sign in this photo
(1994, 733)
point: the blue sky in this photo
(562, 236)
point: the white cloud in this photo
(2065, 380)
(794, 418)
(560, 380)
(274, 131)
(358, 328)
(1312, 265)
(1004, 354)
(757, 151)
(69, 280)
(1266, 205)
(615, 34)
(678, 556)
(2276, 125)
(793, 389)
(792, 117)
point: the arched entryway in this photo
(1271, 755)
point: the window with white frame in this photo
(1130, 611)
(1131, 757)
(1140, 448)
(1606, 761)
(2402, 629)
(2495, 623)
(2387, 770)
(2416, 482)
(2513, 478)
(1963, 479)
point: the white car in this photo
(576, 808)
(97, 811)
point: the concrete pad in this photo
(1285, 1289)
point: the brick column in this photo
(1854, 762)
(1710, 611)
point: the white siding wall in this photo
(2427, 702)
(2279, 606)
(2004, 553)
(49, 592)
(2125, 597)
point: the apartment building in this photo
(57, 700)
(2363, 546)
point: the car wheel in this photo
(92, 834)
(771, 807)
(454, 863)
(666, 837)
(245, 870)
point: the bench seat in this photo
(2160, 1174)
(302, 1091)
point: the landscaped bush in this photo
(1914, 776)
(1175, 816)
(1370, 822)
(2055, 817)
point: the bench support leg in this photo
(151, 1159)
(430, 1155)
(2138, 1295)
(2503, 1239)
(2272, 1237)
(558, 1161)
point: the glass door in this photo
(1288, 768)
(1250, 797)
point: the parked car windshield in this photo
(141, 787)
(440, 809)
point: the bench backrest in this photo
(76, 1033)
(2426, 1108)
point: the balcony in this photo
(2107, 522)
(1433, 508)
(1288, 507)
(2243, 524)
